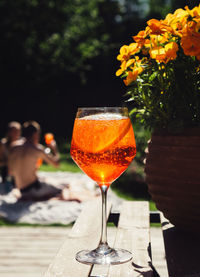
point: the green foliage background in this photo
(56, 55)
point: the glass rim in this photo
(85, 111)
(106, 107)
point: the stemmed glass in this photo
(103, 145)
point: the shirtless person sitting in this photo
(22, 164)
(13, 134)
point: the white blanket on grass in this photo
(51, 211)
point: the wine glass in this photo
(103, 145)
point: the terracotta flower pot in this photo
(173, 177)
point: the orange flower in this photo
(157, 53)
(126, 51)
(157, 27)
(158, 40)
(140, 38)
(171, 49)
(134, 48)
(195, 12)
(181, 15)
(161, 41)
(177, 21)
(122, 69)
(164, 54)
(130, 62)
(190, 40)
(132, 75)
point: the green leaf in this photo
(153, 76)
(133, 111)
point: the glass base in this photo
(114, 256)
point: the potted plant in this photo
(161, 69)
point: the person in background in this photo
(22, 164)
(13, 135)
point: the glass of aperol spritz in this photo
(103, 145)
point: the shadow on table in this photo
(182, 253)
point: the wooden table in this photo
(132, 233)
(182, 251)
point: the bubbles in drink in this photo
(103, 145)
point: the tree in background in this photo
(40, 38)
(56, 55)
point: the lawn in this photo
(130, 185)
(66, 164)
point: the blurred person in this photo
(13, 135)
(23, 160)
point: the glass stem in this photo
(103, 245)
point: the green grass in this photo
(126, 187)
(129, 186)
(66, 164)
(129, 196)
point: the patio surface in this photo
(27, 251)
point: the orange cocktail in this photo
(48, 137)
(103, 146)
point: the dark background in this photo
(58, 55)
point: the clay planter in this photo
(173, 177)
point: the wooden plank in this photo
(134, 214)
(99, 270)
(85, 234)
(27, 251)
(133, 235)
(23, 269)
(158, 252)
(182, 251)
(19, 274)
(29, 273)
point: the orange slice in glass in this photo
(99, 135)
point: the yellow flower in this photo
(130, 62)
(128, 50)
(158, 40)
(157, 53)
(157, 27)
(124, 53)
(147, 43)
(171, 49)
(140, 38)
(177, 21)
(132, 75)
(125, 65)
(195, 12)
(181, 15)
(164, 54)
(122, 69)
(134, 48)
